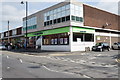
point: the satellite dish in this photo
(107, 24)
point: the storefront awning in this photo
(83, 30)
(49, 32)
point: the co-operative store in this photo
(72, 26)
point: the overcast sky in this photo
(14, 11)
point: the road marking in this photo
(117, 60)
(8, 67)
(99, 54)
(55, 70)
(7, 57)
(86, 76)
(20, 60)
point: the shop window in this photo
(77, 36)
(67, 18)
(63, 19)
(83, 37)
(61, 41)
(89, 37)
(56, 39)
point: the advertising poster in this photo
(52, 41)
(55, 41)
(61, 40)
(65, 40)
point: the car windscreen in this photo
(98, 44)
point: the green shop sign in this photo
(48, 32)
(83, 30)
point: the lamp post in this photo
(26, 20)
(8, 33)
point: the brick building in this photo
(71, 26)
(15, 35)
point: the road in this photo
(61, 65)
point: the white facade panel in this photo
(55, 47)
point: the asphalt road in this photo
(76, 65)
(17, 67)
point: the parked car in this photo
(116, 45)
(101, 47)
(2, 47)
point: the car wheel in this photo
(108, 49)
(112, 47)
(101, 49)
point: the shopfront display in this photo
(56, 39)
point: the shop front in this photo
(82, 39)
(65, 39)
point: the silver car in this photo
(2, 47)
(116, 45)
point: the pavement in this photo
(89, 65)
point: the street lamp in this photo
(26, 20)
(8, 33)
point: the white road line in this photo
(99, 54)
(86, 76)
(55, 70)
(8, 67)
(7, 57)
(20, 60)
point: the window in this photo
(45, 23)
(48, 17)
(58, 20)
(68, 6)
(73, 18)
(51, 12)
(55, 16)
(81, 19)
(89, 37)
(63, 8)
(83, 37)
(63, 13)
(77, 18)
(55, 21)
(51, 22)
(67, 12)
(77, 36)
(56, 39)
(59, 9)
(55, 11)
(67, 18)
(13, 32)
(63, 19)
(72, 12)
(72, 6)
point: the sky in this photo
(13, 11)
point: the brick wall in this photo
(97, 18)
